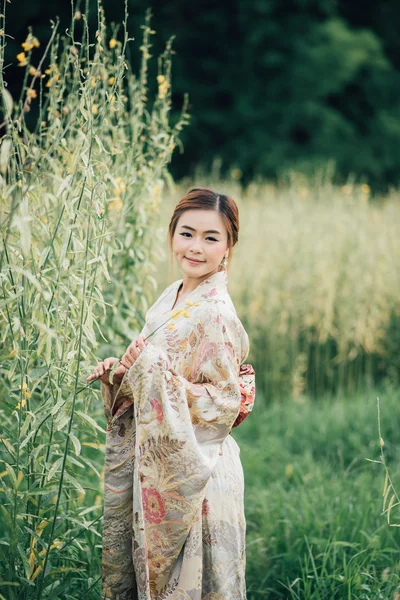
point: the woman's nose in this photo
(195, 246)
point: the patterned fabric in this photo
(247, 392)
(174, 525)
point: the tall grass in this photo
(77, 194)
(316, 526)
(315, 280)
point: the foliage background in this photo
(274, 86)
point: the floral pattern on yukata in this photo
(174, 525)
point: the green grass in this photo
(314, 503)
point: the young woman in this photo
(174, 525)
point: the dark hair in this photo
(206, 199)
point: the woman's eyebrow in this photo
(209, 230)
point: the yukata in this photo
(174, 524)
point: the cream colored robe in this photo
(174, 525)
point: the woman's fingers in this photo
(101, 368)
(133, 351)
(120, 370)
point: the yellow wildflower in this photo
(48, 71)
(115, 204)
(163, 86)
(111, 81)
(21, 58)
(25, 390)
(30, 42)
(112, 43)
(95, 109)
(365, 188)
(34, 72)
(19, 405)
(171, 326)
(31, 94)
(13, 352)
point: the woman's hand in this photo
(133, 351)
(104, 366)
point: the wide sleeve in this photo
(181, 423)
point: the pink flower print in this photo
(212, 292)
(205, 352)
(156, 406)
(153, 505)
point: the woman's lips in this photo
(195, 262)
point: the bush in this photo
(78, 195)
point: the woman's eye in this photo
(185, 233)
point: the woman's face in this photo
(200, 235)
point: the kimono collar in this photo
(214, 285)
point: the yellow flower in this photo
(112, 43)
(189, 302)
(25, 390)
(13, 352)
(163, 86)
(176, 314)
(19, 405)
(111, 81)
(31, 94)
(95, 109)
(115, 204)
(365, 188)
(21, 58)
(34, 72)
(93, 82)
(171, 326)
(30, 42)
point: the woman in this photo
(174, 525)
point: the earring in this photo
(223, 262)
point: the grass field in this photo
(313, 501)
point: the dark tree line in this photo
(273, 85)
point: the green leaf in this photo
(89, 420)
(76, 443)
